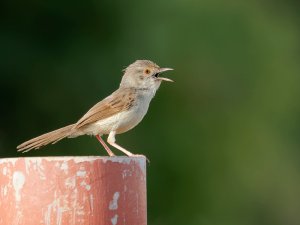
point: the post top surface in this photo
(120, 159)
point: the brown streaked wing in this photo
(118, 101)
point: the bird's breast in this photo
(129, 119)
(122, 121)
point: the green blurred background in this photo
(223, 140)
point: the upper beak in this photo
(161, 70)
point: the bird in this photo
(115, 114)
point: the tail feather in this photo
(45, 139)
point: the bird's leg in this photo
(112, 141)
(104, 145)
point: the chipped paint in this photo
(35, 163)
(65, 167)
(113, 204)
(55, 208)
(5, 189)
(4, 171)
(92, 203)
(126, 173)
(11, 160)
(48, 215)
(114, 220)
(18, 182)
(85, 185)
(70, 182)
(81, 173)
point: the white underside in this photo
(120, 123)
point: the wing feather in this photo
(120, 100)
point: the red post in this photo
(73, 190)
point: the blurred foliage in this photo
(223, 140)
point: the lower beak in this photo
(161, 70)
(165, 79)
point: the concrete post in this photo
(73, 190)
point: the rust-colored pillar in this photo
(73, 190)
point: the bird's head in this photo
(144, 74)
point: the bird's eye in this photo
(147, 71)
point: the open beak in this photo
(161, 70)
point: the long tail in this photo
(45, 139)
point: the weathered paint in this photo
(73, 191)
(113, 205)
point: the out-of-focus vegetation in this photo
(223, 140)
